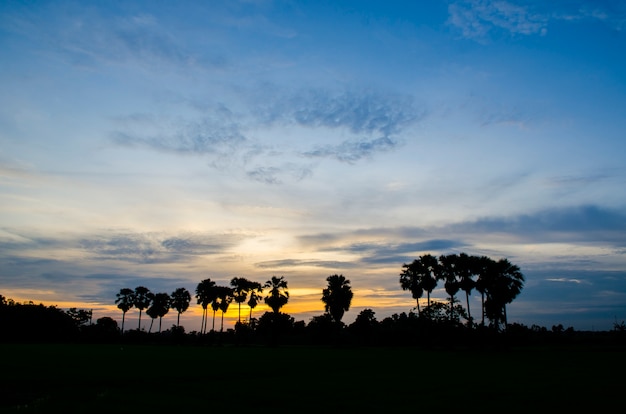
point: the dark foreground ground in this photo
(92, 378)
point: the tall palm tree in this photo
(278, 295)
(160, 307)
(485, 269)
(205, 295)
(468, 266)
(410, 279)
(226, 297)
(241, 287)
(180, 300)
(506, 283)
(143, 298)
(256, 292)
(125, 300)
(449, 274)
(337, 296)
(430, 271)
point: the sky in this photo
(161, 143)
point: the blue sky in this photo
(161, 143)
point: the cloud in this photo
(477, 18)
(358, 111)
(155, 248)
(293, 263)
(588, 223)
(351, 151)
(255, 137)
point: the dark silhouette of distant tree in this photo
(224, 298)
(485, 274)
(159, 307)
(449, 273)
(337, 297)
(240, 288)
(152, 313)
(125, 300)
(430, 270)
(205, 295)
(143, 298)
(180, 300)
(215, 305)
(505, 283)
(411, 280)
(80, 316)
(256, 294)
(278, 295)
(468, 266)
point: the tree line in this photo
(498, 282)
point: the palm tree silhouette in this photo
(125, 300)
(225, 295)
(180, 300)
(256, 292)
(468, 266)
(160, 307)
(337, 296)
(429, 273)
(505, 283)
(484, 268)
(143, 298)
(241, 287)
(449, 268)
(411, 280)
(205, 295)
(278, 295)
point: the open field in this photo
(140, 378)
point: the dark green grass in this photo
(177, 379)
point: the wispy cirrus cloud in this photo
(477, 18)
(374, 123)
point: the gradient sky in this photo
(161, 143)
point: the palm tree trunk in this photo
(123, 317)
(469, 314)
(222, 326)
(202, 323)
(178, 321)
(151, 322)
(213, 328)
(418, 307)
(239, 312)
(139, 326)
(160, 320)
(482, 300)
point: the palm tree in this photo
(484, 269)
(180, 300)
(241, 287)
(337, 296)
(205, 294)
(256, 292)
(468, 266)
(278, 295)
(159, 308)
(224, 297)
(125, 300)
(143, 298)
(505, 284)
(449, 272)
(411, 279)
(215, 305)
(430, 270)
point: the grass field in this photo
(178, 379)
